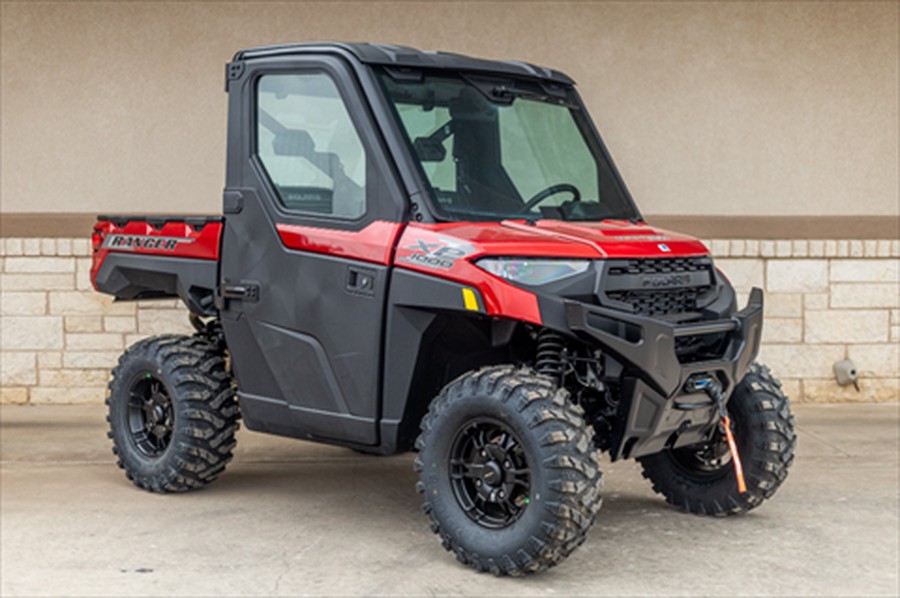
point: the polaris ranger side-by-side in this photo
(425, 251)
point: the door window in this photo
(309, 147)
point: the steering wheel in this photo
(549, 192)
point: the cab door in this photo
(313, 210)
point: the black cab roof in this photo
(404, 56)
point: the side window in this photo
(309, 146)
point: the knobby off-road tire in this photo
(172, 413)
(764, 433)
(538, 441)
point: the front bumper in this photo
(660, 413)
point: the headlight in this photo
(532, 271)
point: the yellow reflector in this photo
(470, 300)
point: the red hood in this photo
(555, 238)
(448, 251)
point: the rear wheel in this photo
(172, 413)
(701, 479)
(508, 470)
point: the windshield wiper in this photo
(502, 90)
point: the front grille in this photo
(659, 266)
(625, 283)
(656, 303)
(674, 288)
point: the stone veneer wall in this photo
(825, 301)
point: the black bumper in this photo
(660, 413)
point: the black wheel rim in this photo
(709, 460)
(489, 473)
(151, 415)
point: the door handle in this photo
(361, 281)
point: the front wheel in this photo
(701, 479)
(508, 470)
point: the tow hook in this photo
(709, 385)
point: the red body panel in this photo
(374, 243)
(554, 238)
(173, 239)
(449, 257)
(445, 250)
(448, 250)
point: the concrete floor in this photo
(293, 518)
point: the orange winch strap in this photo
(735, 457)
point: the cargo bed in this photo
(150, 257)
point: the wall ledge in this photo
(55, 224)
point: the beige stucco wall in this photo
(709, 108)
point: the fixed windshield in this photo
(505, 149)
